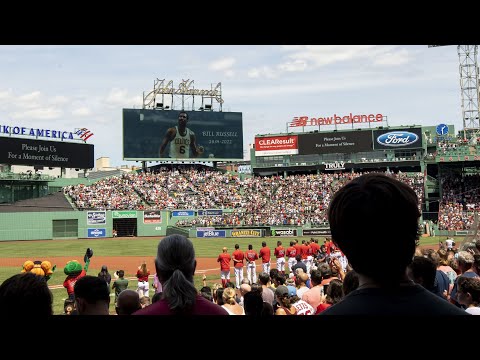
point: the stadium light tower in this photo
(469, 87)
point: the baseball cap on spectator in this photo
(298, 271)
(281, 291)
(290, 282)
(292, 290)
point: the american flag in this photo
(299, 121)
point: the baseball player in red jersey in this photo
(298, 247)
(265, 255)
(309, 261)
(291, 253)
(315, 247)
(224, 260)
(250, 257)
(237, 257)
(279, 253)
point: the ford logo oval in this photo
(397, 138)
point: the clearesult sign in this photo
(247, 233)
(317, 232)
(276, 145)
(152, 217)
(128, 214)
(284, 232)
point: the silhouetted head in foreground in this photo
(382, 211)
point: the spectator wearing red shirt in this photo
(224, 260)
(265, 255)
(237, 257)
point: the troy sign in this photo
(335, 120)
(337, 165)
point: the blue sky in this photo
(67, 87)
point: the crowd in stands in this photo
(460, 200)
(294, 200)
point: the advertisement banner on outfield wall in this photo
(409, 138)
(247, 233)
(209, 212)
(96, 217)
(150, 134)
(335, 142)
(183, 213)
(152, 217)
(317, 232)
(276, 145)
(284, 232)
(129, 214)
(95, 233)
(211, 233)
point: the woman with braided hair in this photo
(175, 265)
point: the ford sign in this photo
(397, 138)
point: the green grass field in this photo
(43, 250)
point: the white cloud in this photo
(296, 65)
(321, 55)
(120, 98)
(59, 100)
(6, 94)
(299, 58)
(82, 111)
(39, 113)
(33, 96)
(264, 71)
(222, 64)
(400, 57)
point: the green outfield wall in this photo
(100, 223)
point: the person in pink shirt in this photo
(157, 285)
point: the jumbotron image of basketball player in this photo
(181, 140)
